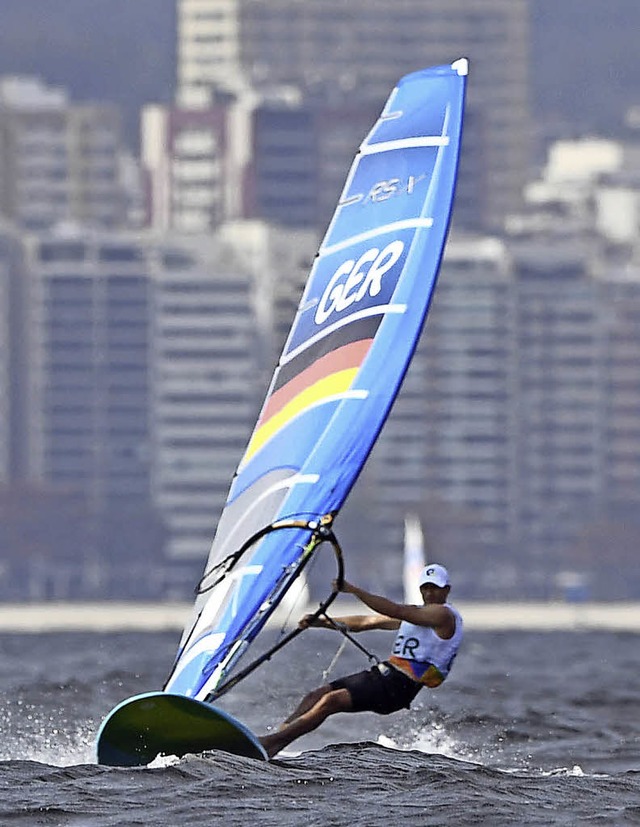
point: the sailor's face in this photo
(433, 594)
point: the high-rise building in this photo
(5, 366)
(208, 50)
(281, 260)
(89, 433)
(224, 305)
(302, 148)
(360, 50)
(516, 435)
(559, 392)
(58, 162)
(13, 356)
(145, 362)
(619, 448)
(207, 389)
(91, 351)
(447, 450)
(187, 156)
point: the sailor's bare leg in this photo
(309, 700)
(335, 700)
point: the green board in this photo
(145, 726)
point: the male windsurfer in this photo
(425, 647)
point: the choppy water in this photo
(530, 729)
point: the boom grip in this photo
(321, 532)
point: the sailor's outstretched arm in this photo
(435, 616)
(351, 623)
(381, 605)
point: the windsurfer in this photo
(426, 644)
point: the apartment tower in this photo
(358, 50)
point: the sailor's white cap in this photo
(436, 574)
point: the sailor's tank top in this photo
(424, 656)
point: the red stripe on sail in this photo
(342, 358)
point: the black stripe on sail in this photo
(356, 331)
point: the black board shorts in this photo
(382, 689)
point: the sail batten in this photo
(407, 224)
(367, 313)
(349, 347)
(406, 143)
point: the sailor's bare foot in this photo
(270, 747)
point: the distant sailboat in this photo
(295, 602)
(414, 560)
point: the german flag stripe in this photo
(328, 378)
(359, 330)
(341, 359)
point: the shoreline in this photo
(115, 616)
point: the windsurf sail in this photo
(351, 342)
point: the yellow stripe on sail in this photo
(322, 390)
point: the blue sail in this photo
(351, 342)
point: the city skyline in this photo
(522, 400)
(583, 66)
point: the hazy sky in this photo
(585, 68)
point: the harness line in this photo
(342, 628)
